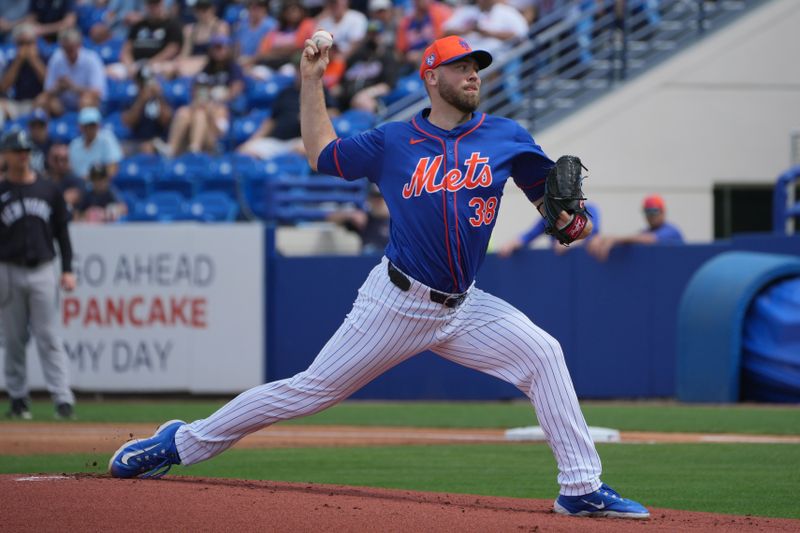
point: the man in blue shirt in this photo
(442, 175)
(539, 229)
(74, 74)
(94, 145)
(658, 231)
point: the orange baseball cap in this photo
(449, 49)
(654, 201)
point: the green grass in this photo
(635, 416)
(755, 479)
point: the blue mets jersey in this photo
(443, 188)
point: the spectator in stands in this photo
(201, 124)
(371, 72)
(23, 77)
(40, 139)
(155, 40)
(149, 116)
(252, 31)
(101, 202)
(383, 11)
(370, 224)
(12, 14)
(658, 231)
(347, 25)
(58, 171)
(538, 229)
(197, 37)
(73, 73)
(489, 25)
(280, 133)
(94, 145)
(418, 30)
(285, 42)
(122, 15)
(52, 17)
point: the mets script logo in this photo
(463, 44)
(430, 60)
(478, 174)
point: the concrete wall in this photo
(721, 112)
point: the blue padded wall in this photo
(710, 319)
(617, 321)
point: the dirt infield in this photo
(84, 502)
(95, 503)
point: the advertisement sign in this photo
(163, 307)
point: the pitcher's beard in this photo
(464, 102)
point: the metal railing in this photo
(584, 50)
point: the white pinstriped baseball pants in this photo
(387, 326)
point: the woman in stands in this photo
(285, 43)
(197, 38)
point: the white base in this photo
(535, 433)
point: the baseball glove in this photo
(562, 192)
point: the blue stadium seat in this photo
(8, 51)
(242, 128)
(46, 48)
(222, 178)
(162, 206)
(291, 165)
(184, 174)
(406, 85)
(136, 173)
(353, 122)
(120, 95)
(261, 94)
(255, 193)
(234, 14)
(114, 121)
(88, 15)
(108, 51)
(213, 206)
(64, 128)
(177, 92)
(297, 200)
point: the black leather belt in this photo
(403, 283)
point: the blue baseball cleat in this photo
(605, 501)
(147, 458)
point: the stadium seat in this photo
(242, 128)
(120, 95)
(177, 92)
(162, 206)
(64, 128)
(213, 206)
(8, 51)
(353, 122)
(108, 51)
(184, 174)
(136, 173)
(235, 14)
(406, 85)
(291, 165)
(114, 121)
(260, 94)
(222, 178)
(88, 15)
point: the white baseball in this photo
(322, 39)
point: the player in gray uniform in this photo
(33, 213)
(442, 175)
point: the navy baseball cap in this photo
(450, 49)
(16, 141)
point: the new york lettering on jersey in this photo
(443, 188)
